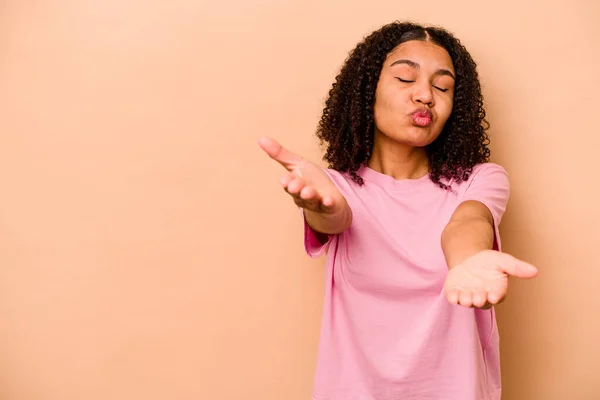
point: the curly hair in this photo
(346, 127)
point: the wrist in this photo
(462, 240)
(329, 223)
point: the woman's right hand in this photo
(307, 183)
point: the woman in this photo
(408, 214)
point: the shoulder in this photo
(340, 178)
(486, 170)
(485, 176)
(488, 184)
(489, 167)
(347, 186)
(490, 174)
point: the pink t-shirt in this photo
(388, 332)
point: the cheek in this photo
(388, 103)
(382, 106)
(388, 115)
(445, 109)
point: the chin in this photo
(416, 137)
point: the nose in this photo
(423, 94)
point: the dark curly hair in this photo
(347, 125)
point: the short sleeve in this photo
(489, 184)
(312, 245)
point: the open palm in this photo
(306, 182)
(482, 280)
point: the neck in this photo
(398, 160)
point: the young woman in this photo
(408, 215)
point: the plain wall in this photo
(147, 250)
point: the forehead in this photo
(426, 54)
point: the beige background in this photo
(146, 249)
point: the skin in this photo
(415, 75)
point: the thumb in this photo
(517, 268)
(279, 153)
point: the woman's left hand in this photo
(482, 279)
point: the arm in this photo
(469, 231)
(325, 224)
(325, 209)
(477, 270)
(478, 275)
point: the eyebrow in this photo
(417, 66)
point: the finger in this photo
(465, 298)
(308, 198)
(327, 203)
(295, 186)
(452, 296)
(479, 299)
(285, 181)
(279, 153)
(308, 193)
(495, 298)
(515, 267)
(304, 196)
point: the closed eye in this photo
(409, 81)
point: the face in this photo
(415, 92)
